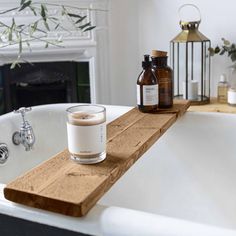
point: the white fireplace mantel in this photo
(90, 46)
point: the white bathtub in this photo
(185, 185)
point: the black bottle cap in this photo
(146, 63)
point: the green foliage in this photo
(227, 48)
(41, 25)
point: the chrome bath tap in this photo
(26, 134)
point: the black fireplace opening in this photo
(43, 83)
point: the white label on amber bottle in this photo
(150, 95)
(138, 95)
(86, 139)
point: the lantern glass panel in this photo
(191, 69)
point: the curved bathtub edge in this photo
(115, 221)
(118, 221)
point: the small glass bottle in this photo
(222, 89)
(147, 88)
(164, 76)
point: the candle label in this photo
(86, 139)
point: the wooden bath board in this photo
(62, 186)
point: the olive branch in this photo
(43, 22)
(227, 48)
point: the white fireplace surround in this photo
(91, 46)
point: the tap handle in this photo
(22, 111)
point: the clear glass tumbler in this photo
(86, 132)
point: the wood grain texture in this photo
(214, 106)
(62, 186)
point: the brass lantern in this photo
(190, 61)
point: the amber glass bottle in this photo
(147, 88)
(163, 74)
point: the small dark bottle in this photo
(164, 75)
(147, 88)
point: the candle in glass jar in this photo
(192, 90)
(232, 96)
(86, 131)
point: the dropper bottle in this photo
(147, 88)
(222, 89)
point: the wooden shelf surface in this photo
(214, 106)
(62, 186)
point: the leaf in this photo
(26, 4)
(222, 52)
(233, 56)
(40, 30)
(217, 49)
(29, 46)
(20, 45)
(15, 63)
(89, 28)
(211, 51)
(226, 42)
(46, 25)
(85, 25)
(54, 18)
(81, 19)
(44, 16)
(10, 35)
(17, 34)
(34, 26)
(33, 10)
(20, 26)
(74, 15)
(64, 11)
(45, 7)
(13, 24)
(22, 2)
(56, 26)
(12, 9)
(225, 48)
(43, 12)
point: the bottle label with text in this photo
(150, 95)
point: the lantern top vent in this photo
(190, 19)
(190, 33)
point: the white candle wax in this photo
(82, 118)
(192, 90)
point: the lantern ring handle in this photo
(191, 5)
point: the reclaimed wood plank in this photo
(214, 106)
(62, 186)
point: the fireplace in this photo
(78, 71)
(44, 83)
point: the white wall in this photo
(138, 26)
(124, 51)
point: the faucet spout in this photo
(26, 135)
